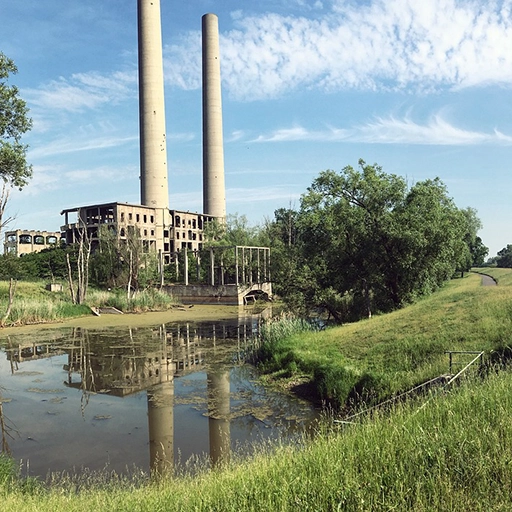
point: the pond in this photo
(144, 398)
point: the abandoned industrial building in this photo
(235, 274)
(162, 231)
(21, 241)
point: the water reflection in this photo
(218, 416)
(161, 427)
(168, 363)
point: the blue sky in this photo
(423, 88)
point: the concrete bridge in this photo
(232, 275)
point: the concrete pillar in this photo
(214, 191)
(154, 190)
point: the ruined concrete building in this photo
(164, 231)
(160, 229)
(22, 241)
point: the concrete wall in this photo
(229, 294)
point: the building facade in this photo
(160, 230)
(25, 241)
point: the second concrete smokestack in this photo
(154, 189)
(214, 191)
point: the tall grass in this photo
(150, 299)
(33, 304)
(274, 330)
(33, 311)
(451, 453)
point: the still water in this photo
(147, 397)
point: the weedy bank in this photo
(374, 359)
(449, 450)
(34, 304)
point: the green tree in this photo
(14, 122)
(235, 231)
(504, 258)
(476, 251)
(122, 262)
(289, 278)
(365, 242)
(47, 264)
(106, 263)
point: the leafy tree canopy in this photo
(364, 241)
(14, 122)
(235, 231)
(504, 258)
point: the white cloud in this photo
(67, 145)
(299, 133)
(391, 130)
(182, 63)
(236, 135)
(51, 178)
(82, 91)
(436, 131)
(384, 44)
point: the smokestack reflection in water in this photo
(218, 416)
(161, 427)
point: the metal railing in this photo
(452, 363)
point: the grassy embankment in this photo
(452, 452)
(377, 358)
(34, 304)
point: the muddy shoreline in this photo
(177, 314)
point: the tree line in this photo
(361, 242)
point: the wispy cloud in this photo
(391, 130)
(52, 178)
(383, 44)
(261, 194)
(299, 133)
(435, 131)
(94, 138)
(82, 91)
(62, 146)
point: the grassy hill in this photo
(376, 358)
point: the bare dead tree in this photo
(84, 253)
(12, 292)
(4, 198)
(130, 274)
(70, 280)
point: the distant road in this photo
(488, 281)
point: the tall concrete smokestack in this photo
(154, 189)
(214, 191)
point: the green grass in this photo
(141, 301)
(501, 275)
(451, 453)
(34, 304)
(376, 358)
